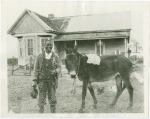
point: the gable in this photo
(28, 25)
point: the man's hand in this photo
(34, 83)
(53, 72)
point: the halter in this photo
(78, 64)
(77, 69)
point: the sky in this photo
(11, 10)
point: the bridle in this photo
(77, 67)
(78, 64)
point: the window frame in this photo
(27, 48)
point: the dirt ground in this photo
(19, 100)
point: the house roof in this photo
(94, 26)
(98, 22)
(109, 21)
(76, 24)
(39, 18)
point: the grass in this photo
(19, 100)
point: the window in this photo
(20, 47)
(30, 46)
(43, 42)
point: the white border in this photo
(4, 98)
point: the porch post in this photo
(125, 41)
(75, 43)
(64, 49)
(18, 46)
(100, 47)
(103, 47)
(96, 48)
(53, 49)
(127, 45)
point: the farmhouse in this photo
(102, 34)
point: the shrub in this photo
(12, 61)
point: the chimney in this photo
(50, 16)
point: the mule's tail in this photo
(134, 74)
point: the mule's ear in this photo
(65, 48)
(75, 48)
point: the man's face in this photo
(48, 47)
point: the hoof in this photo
(80, 110)
(94, 106)
(111, 105)
(130, 106)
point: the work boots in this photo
(53, 108)
(41, 109)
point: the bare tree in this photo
(136, 45)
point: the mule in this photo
(111, 66)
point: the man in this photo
(129, 52)
(45, 76)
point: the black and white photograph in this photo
(75, 59)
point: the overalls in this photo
(46, 84)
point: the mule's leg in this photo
(120, 89)
(93, 95)
(130, 90)
(84, 90)
(129, 87)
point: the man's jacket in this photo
(39, 62)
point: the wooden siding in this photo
(38, 45)
(86, 46)
(111, 45)
(83, 47)
(21, 61)
(59, 49)
(25, 58)
(28, 25)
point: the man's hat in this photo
(49, 42)
(34, 93)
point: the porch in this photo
(94, 46)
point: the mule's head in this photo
(71, 61)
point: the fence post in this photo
(30, 65)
